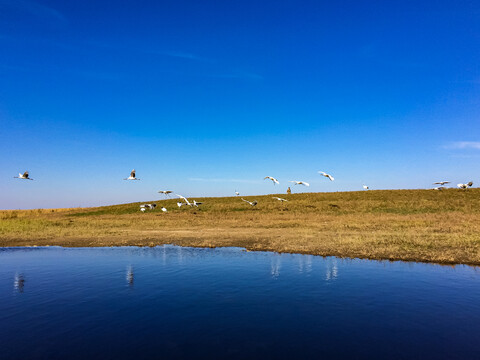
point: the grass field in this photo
(411, 225)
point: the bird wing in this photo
(330, 177)
(184, 199)
(305, 183)
(247, 201)
(168, 192)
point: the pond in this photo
(173, 302)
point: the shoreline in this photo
(441, 227)
(343, 257)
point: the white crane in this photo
(23, 176)
(148, 206)
(180, 204)
(164, 209)
(323, 173)
(465, 186)
(142, 209)
(300, 183)
(196, 203)
(441, 183)
(279, 199)
(275, 181)
(439, 188)
(237, 193)
(365, 187)
(184, 199)
(252, 203)
(132, 176)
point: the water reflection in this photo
(275, 265)
(130, 276)
(212, 303)
(19, 282)
(305, 263)
(332, 269)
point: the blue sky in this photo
(208, 97)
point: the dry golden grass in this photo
(416, 225)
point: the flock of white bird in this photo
(194, 203)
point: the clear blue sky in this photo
(208, 97)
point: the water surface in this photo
(173, 302)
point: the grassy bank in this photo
(416, 225)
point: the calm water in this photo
(172, 302)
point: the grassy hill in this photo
(419, 225)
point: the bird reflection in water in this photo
(19, 282)
(332, 270)
(275, 265)
(305, 263)
(130, 277)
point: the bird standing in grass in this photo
(300, 183)
(323, 173)
(132, 176)
(164, 209)
(252, 203)
(23, 176)
(275, 181)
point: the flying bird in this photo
(23, 176)
(326, 175)
(184, 199)
(132, 176)
(279, 199)
(300, 183)
(441, 183)
(237, 193)
(165, 192)
(252, 203)
(275, 181)
(465, 186)
(365, 187)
